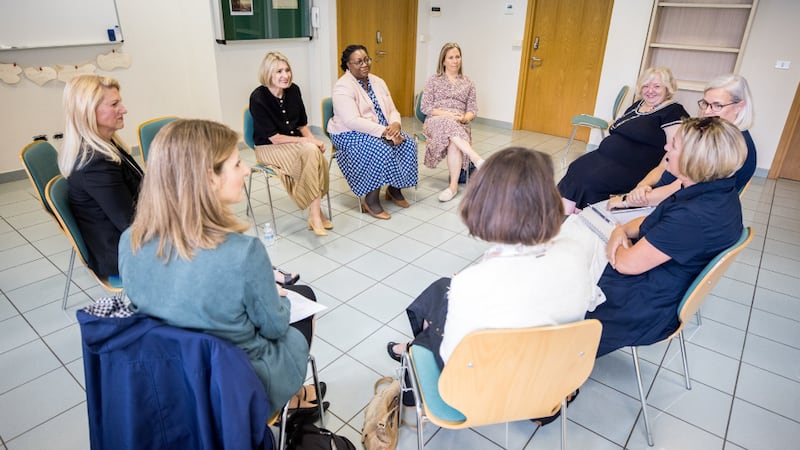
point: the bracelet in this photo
(625, 200)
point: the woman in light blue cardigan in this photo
(185, 260)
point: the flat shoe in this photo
(447, 195)
(311, 411)
(403, 203)
(542, 421)
(390, 350)
(288, 279)
(323, 389)
(381, 215)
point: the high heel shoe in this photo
(317, 231)
(401, 202)
(381, 215)
(327, 224)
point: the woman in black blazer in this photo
(102, 176)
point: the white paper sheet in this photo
(301, 306)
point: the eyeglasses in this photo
(361, 62)
(716, 107)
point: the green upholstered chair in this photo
(689, 305)
(40, 160)
(147, 132)
(247, 132)
(326, 107)
(56, 193)
(585, 120)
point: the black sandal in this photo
(542, 421)
(390, 350)
(288, 279)
(323, 389)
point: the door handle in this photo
(534, 61)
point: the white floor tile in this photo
(344, 327)
(770, 391)
(756, 428)
(15, 332)
(66, 431)
(25, 363)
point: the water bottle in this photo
(268, 236)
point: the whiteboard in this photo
(57, 23)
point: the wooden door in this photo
(564, 45)
(388, 29)
(786, 163)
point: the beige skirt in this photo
(301, 167)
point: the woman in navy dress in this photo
(654, 259)
(371, 148)
(633, 147)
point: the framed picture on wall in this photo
(241, 7)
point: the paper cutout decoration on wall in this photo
(40, 75)
(9, 73)
(113, 60)
(66, 73)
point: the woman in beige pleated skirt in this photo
(284, 141)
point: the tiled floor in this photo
(744, 359)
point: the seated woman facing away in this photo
(450, 104)
(528, 277)
(185, 260)
(372, 150)
(632, 148)
(654, 259)
(284, 141)
(727, 96)
(102, 177)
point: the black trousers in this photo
(304, 326)
(431, 307)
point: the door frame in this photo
(790, 129)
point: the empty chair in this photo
(503, 375)
(56, 193)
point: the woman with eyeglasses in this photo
(450, 103)
(654, 259)
(371, 148)
(633, 147)
(728, 97)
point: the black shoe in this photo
(288, 279)
(390, 350)
(323, 389)
(542, 421)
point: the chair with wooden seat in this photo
(502, 375)
(56, 193)
(689, 305)
(585, 120)
(147, 132)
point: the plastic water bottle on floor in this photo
(268, 236)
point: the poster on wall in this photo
(241, 7)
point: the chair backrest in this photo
(504, 375)
(327, 114)
(40, 160)
(708, 278)
(418, 108)
(248, 128)
(57, 194)
(623, 92)
(147, 132)
(744, 188)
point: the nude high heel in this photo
(317, 231)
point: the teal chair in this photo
(147, 132)
(420, 116)
(327, 113)
(689, 305)
(40, 160)
(56, 193)
(585, 120)
(489, 378)
(247, 131)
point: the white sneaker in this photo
(447, 195)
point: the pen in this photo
(603, 216)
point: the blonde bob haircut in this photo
(177, 203)
(513, 199)
(82, 95)
(443, 54)
(713, 148)
(269, 66)
(661, 73)
(736, 86)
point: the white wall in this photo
(178, 69)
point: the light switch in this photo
(783, 65)
(509, 10)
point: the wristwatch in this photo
(624, 200)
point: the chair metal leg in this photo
(685, 361)
(248, 188)
(405, 368)
(330, 211)
(282, 432)
(564, 424)
(699, 319)
(315, 374)
(69, 279)
(642, 398)
(271, 208)
(569, 144)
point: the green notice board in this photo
(265, 19)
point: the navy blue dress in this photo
(634, 146)
(742, 175)
(692, 226)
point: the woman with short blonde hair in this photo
(103, 178)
